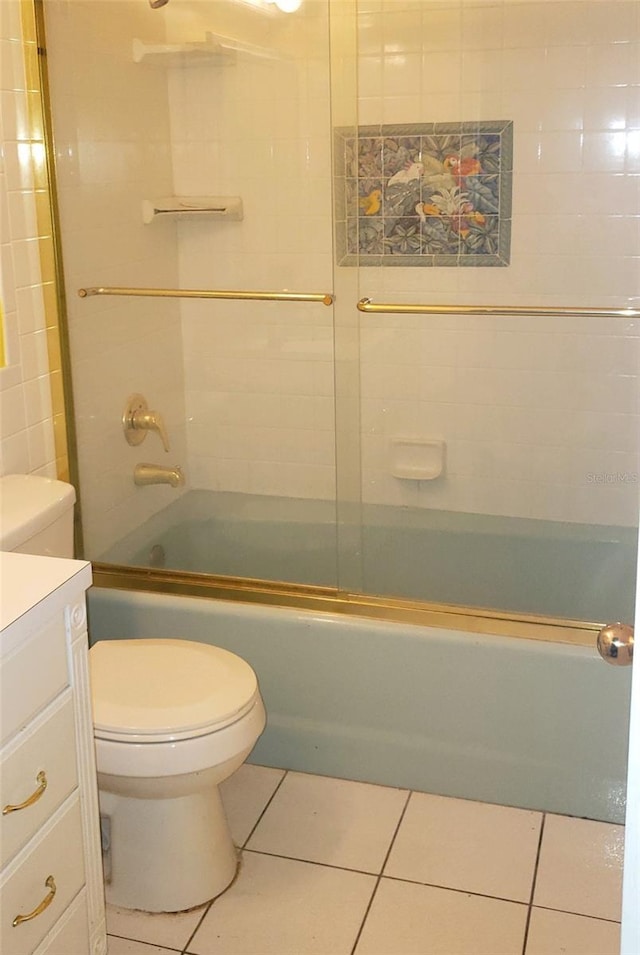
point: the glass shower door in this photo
(193, 147)
(494, 188)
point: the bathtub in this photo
(547, 568)
(514, 721)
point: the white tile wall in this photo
(530, 409)
(26, 422)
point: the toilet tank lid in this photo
(170, 689)
(28, 504)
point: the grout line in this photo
(266, 806)
(379, 879)
(200, 921)
(583, 915)
(324, 865)
(533, 886)
(140, 941)
(390, 878)
(241, 849)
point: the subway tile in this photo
(14, 452)
(13, 416)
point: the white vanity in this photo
(51, 885)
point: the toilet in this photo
(172, 719)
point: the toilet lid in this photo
(155, 690)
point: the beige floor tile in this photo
(245, 794)
(409, 919)
(580, 868)
(558, 933)
(124, 946)
(285, 907)
(471, 846)
(332, 821)
(161, 928)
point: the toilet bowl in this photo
(172, 720)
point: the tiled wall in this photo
(26, 413)
(113, 151)
(539, 414)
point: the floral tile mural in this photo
(435, 194)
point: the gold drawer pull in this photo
(41, 778)
(39, 909)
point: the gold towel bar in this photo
(324, 297)
(366, 305)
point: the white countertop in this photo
(25, 580)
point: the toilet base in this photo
(168, 854)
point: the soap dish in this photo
(417, 459)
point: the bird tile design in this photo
(436, 194)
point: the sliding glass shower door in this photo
(468, 435)
(194, 152)
(493, 213)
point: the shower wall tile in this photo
(26, 420)
(531, 410)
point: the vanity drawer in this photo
(47, 746)
(57, 854)
(70, 933)
(33, 675)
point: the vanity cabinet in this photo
(51, 886)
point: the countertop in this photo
(25, 580)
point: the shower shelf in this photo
(208, 51)
(214, 50)
(218, 207)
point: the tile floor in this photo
(331, 867)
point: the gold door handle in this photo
(39, 909)
(41, 779)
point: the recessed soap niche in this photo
(417, 459)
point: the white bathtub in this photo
(507, 720)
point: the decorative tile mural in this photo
(430, 194)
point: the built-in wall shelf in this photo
(215, 50)
(170, 207)
(207, 51)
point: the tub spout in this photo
(157, 474)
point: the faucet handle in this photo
(137, 420)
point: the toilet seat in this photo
(161, 690)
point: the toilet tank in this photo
(36, 515)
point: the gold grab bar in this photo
(366, 305)
(325, 298)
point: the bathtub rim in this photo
(332, 600)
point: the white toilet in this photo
(172, 720)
